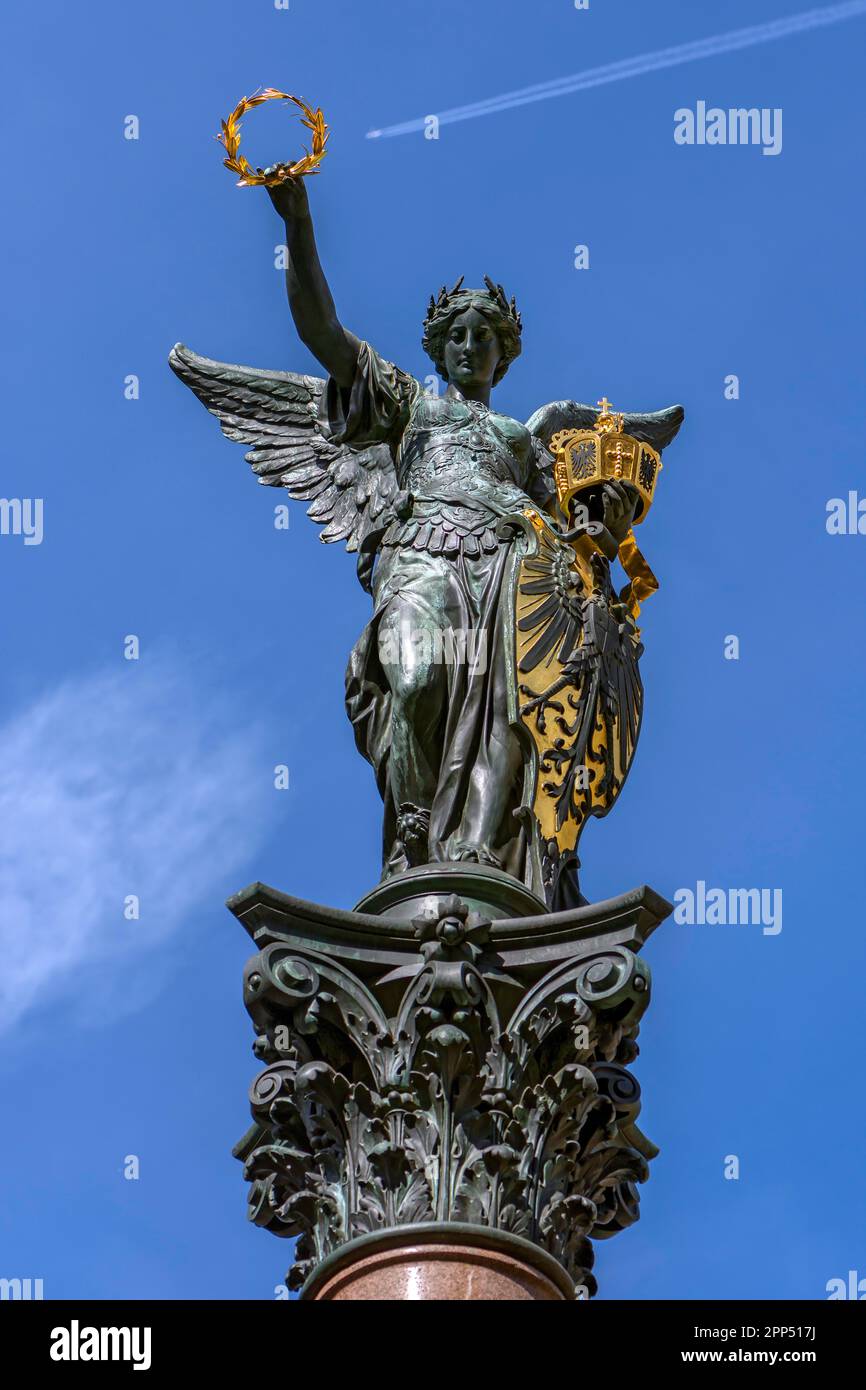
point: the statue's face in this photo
(472, 351)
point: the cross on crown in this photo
(607, 421)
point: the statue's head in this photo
(472, 336)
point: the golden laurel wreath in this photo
(230, 139)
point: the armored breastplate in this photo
(456, 443)
(462, 474)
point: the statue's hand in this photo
(620, 503)
(290, 199)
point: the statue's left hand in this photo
(620, 503)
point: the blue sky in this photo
(154, 777)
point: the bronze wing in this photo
(656, 428)
(278, 414)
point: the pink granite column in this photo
(439, 1263)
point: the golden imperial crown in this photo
(585, 458)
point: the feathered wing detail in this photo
(278, 414)
(656, 428)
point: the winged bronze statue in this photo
(495, 690)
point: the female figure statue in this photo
(452, 509)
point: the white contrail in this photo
(636, 67)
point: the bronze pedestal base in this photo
(445, 1110)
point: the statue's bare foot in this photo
(464, 853)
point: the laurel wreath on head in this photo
(230, 139)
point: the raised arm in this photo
(310, 298)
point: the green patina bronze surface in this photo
(438, 495)
(448, 1067)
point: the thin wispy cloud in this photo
(638, 66)
(128, 782)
